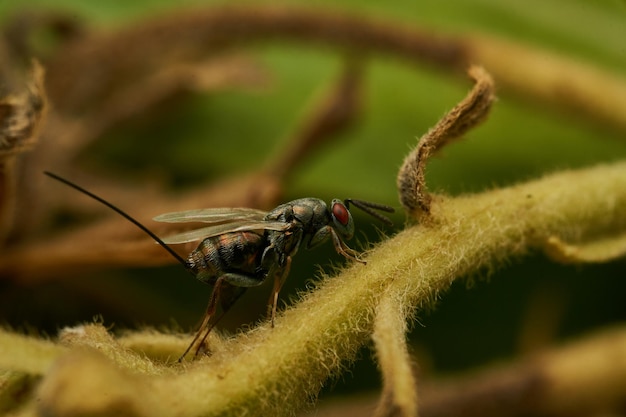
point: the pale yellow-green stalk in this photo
(278, 371)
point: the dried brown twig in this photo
(464, 116)
(566, 83)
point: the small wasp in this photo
(243, 247)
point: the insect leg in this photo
(229, 295)
(344, 249)
(210, 310)
(279, 279)
(222, 285)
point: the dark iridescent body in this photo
(247, 246)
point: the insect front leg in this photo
(344, 249)
(277, 265)
(280, 276)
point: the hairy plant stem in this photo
(278, 371)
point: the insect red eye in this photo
(341, 214)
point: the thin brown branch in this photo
(335, 113)
(570, 85)
(525, 70)
(200, 33)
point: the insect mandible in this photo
(242, 247)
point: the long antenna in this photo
(121, 213)
(368, 206)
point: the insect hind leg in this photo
(242, 280)
(226, 290)
(210, 311)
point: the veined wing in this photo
(219, 229)
(212, 215)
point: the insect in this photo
(243, 247)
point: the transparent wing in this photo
(212, 215)
(210, 231)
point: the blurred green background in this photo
(473, 324)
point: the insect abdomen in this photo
(230, 252)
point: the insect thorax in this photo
(310, 213)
